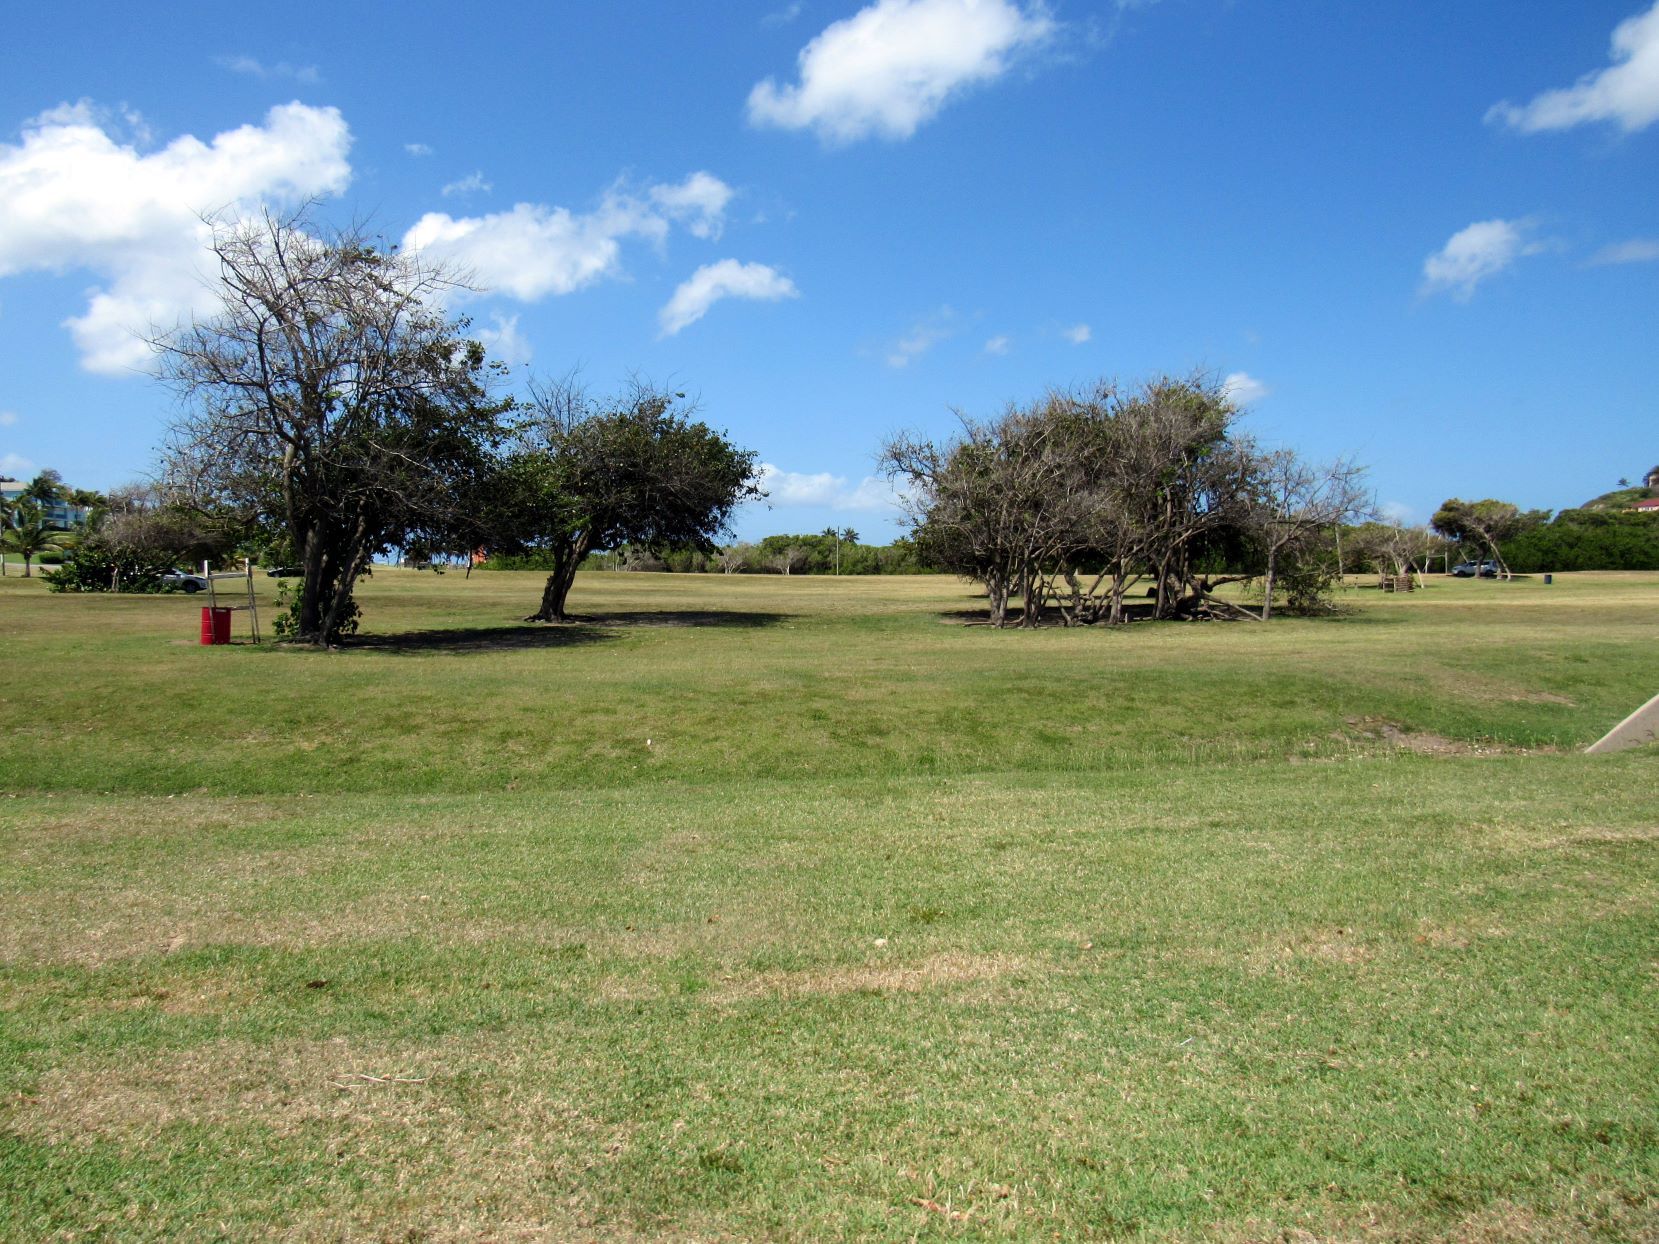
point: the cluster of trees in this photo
(1587, 539)
(1529, 541)
(36, 520)
(332, 405)
(137, 534)
(1070, 502)
(1391, 548)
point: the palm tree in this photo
(27, 533)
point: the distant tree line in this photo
(1595, 537)
(1587, 540)
(830, 552)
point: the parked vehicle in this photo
(1469, 570)
(185, 581)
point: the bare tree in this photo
(1068, 502)
(736, 558)
(788, 560)
(328, 396)
(1300, 504)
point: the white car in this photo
(185, 581)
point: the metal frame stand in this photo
(245, 574)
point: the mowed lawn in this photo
(762, 908)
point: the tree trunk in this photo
(557, 588)
(1267, 592)
(996, 595)
(308, 628)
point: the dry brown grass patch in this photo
(936, 972)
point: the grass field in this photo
(766, 908)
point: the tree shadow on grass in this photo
(525, 636)
(726, 618)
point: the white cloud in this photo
(894, 64)
(926, 334)
(72, 196)
(1243, 388)
(533, 250)
(255, 68)
(1637, 250)
(1471, 255)
(997, 345)
(872, 494)
(726, 279)
(1625, 93)
(1396, 512)
(1077, 334)
(504, 341)
(417, 149)
(470, 184)
(699, 202)
(8, 418)
(17, 467)
(783, 16)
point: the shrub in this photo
(96, 567)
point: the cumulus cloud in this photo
(534, 250)
(254, 68)
(1243, 388)
(698, 202)
(417, 149)
(1077, 334)
(8, 418)
(1471, 255)
(72, 196)
(1626, 92)
(1637, 250)
(783, 16)
(997, 345)
(17, 467)
(725, 279)
(472, 183)
(872, 494)
(891, 67)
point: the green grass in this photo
(895, 928)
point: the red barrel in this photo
(215, 626)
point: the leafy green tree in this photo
(28, 533)
(47, 486)
(332, 401)
(1588, 539)
(1485, 524)
(599, 473)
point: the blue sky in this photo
(1423, 235)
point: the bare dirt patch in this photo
(1424, 742)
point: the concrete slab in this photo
(1640, 727)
